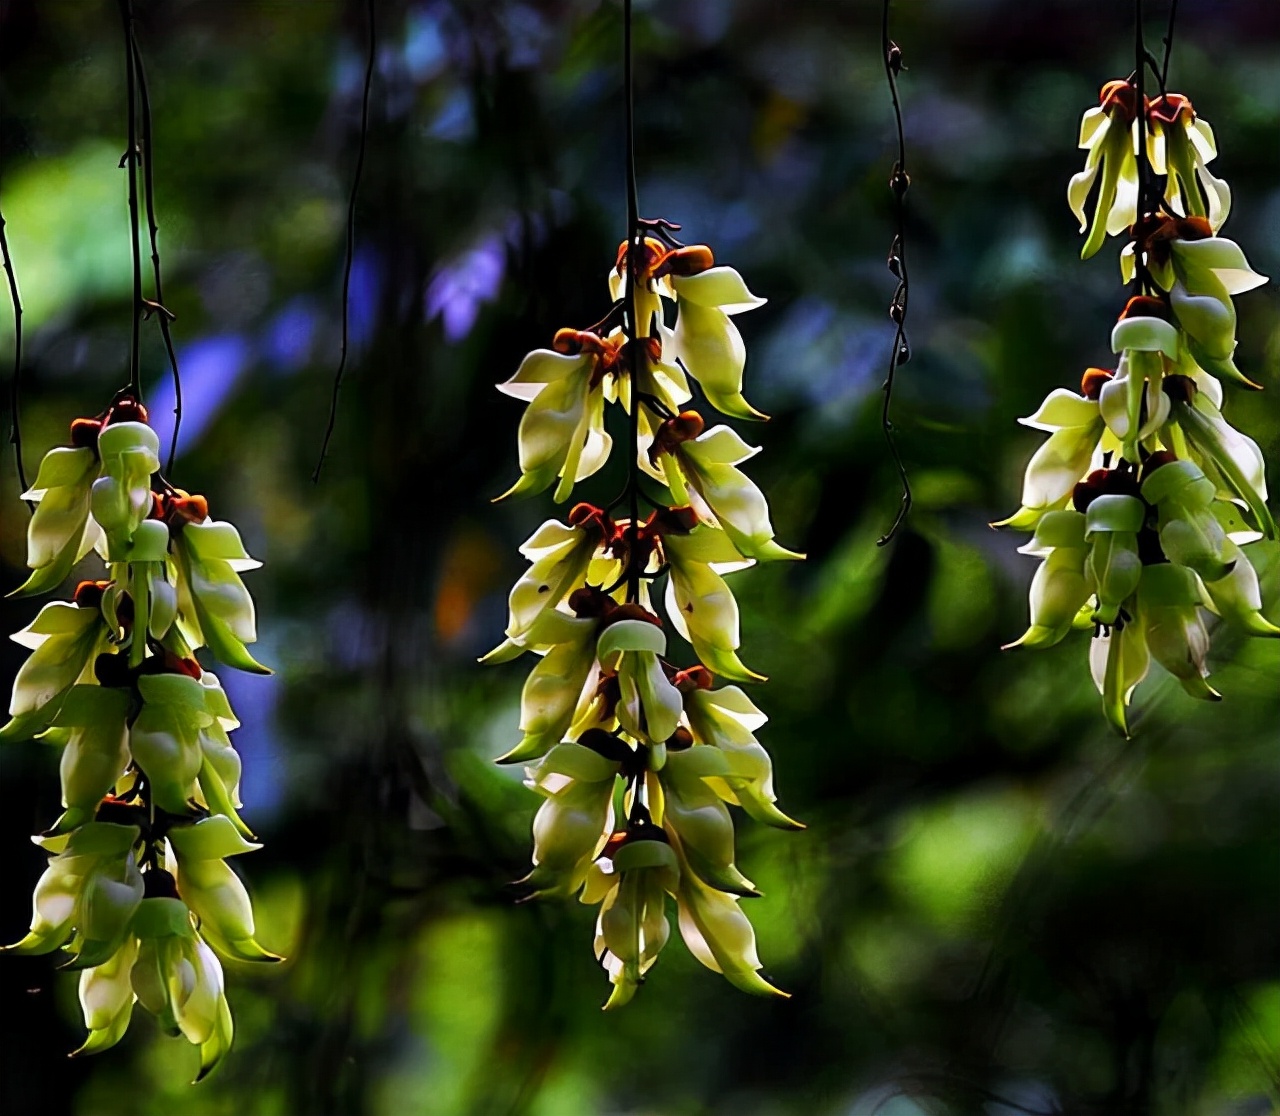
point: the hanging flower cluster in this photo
(638, 759)
(138, 892)
(1144, 495)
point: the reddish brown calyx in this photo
(176, 665)
(605, 351)
(88, 594)
(1146, 306)
(633, 547)
(1120, 98)
(681, 740)
(630, 611)
(84, 433)
(690, 260)
(616, 840)
(112, 670)
(1089, 490)
(159, 884)
(120, 811)
(672, 521)
(651, 347)
(629, 356)
(684, 427)
(608, 694)
(124, 610)
(1181, 389)
(1154, 234)
(1104, 482)
(180, 508)
(607, 744)
(640, 827)
(572, 342)
(590, 602)
(593, 520)
(693, 678)
(650, 254)
(1170, 108)
(1093, 381)
(169, 663)
(126, 409)
(1193, 228)
(1158, 460)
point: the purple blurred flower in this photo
(425, 50)
(210, 367)
(823, 356)
(366, 286)
(460, 286)
(455, 122)
(288, 338)
(254, 697)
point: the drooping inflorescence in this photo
(1144, 496)
(137, 892)
(638, 758)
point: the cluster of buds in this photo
(638, 759)
(1144, 496)
(138, 892)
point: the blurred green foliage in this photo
(997, 907)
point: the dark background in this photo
(998, 906)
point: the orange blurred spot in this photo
(468, 572)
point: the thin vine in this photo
(899, 184)
(1168, 44)
(130, 161)
(370, 62)
(156, 306)
(15, 380)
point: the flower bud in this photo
(1190, 533)
(106, 998)
(650, 705)
(695, 813)
(571, 825)
(97, 750)
(212, 890)
(1112, 524)
(632, 927)
(165, 737)
(1176, 636)
(121, 497)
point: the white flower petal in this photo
(540, 368)
(1063, 408)
(720, 287)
